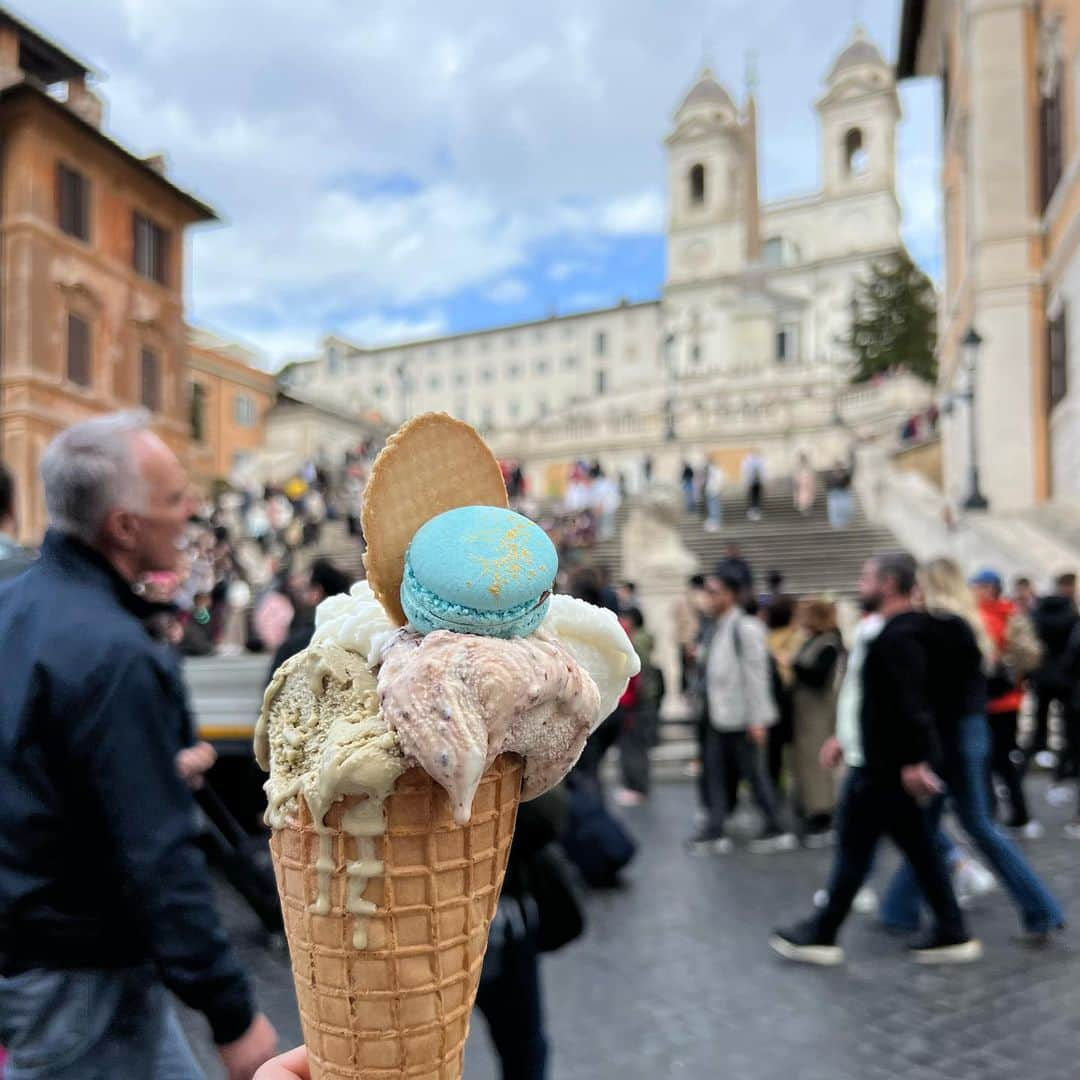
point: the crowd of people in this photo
(708, 492)
(943, 696)
(923, 710)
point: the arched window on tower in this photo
(697, 185)
(855, 157)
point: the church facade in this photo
(743, 347)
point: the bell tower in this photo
(858, 112)
(708, 193)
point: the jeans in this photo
(730, 753)
(715, 508)
(638, 726)
(838, 504)
(1039, 911)
(92, 1025)
(876, 806)
(689, 502)
(510, 999)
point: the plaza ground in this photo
(674, 978)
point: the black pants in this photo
(753, 495)
(732, 752)
(510, 1000)
(1068, 763)
(879, 806)
(731, 770)
(1003, 766)
(637, 727)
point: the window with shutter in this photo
(150, 253)
(150, 385)
(78, 350)
(73, 202)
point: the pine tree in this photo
(894, 322)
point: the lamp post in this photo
(971, 343)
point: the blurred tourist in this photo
(784, 636)
(740, 712)
(839, 502)
(1016, 652)
(639, 710)
(14, 559)
(817, 667)
(715, 479)
(805, 486)
(1055, 617)
(107, 867)
(753, 480)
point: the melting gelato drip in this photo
(322, 738)
(457, 701)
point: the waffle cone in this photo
(400, 1007)
(431, 464)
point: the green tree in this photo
(894, 321)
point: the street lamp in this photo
(971, 343)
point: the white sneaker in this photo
(1046, 759)
(1033, 830)
(711, 526)
(866, 901)
(770, 845)
(1059, 795)
(1072, 830)
(972, 880)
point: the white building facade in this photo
(743, 348)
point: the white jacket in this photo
(737, 678)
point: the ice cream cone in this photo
(398, 1007)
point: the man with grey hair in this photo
(105, 900)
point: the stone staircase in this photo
(343, 550)
(813, 557)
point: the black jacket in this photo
(1054, 618)
(955, 676)
(99, 865)
(897, 718)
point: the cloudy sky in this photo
(400, 168)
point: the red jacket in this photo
(995, 616)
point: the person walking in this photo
(885, 796)
(715, 479)
(817, 668)
(686, 479)
(785, 635)
(1055, 616)
(14, 558)
(753, 479)
(740, 712)
(105, 901)
(839, 504)
(639, 711)
(1016, 653)
(959, 650)
(805, 486)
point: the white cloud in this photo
(508, 291)
(511, 130)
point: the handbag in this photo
(561, 918)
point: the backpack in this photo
(1023, 650)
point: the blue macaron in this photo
(479, 570)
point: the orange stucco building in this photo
(229, 401)
(91, 266)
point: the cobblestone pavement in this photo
(675, 980)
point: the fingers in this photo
(290, 1066)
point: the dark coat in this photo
(99, 865)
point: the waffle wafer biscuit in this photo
(429, 465)
(400, 1007)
